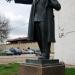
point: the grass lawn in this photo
(13, 68)
(9, 69)
(70, 71)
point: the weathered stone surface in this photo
(42, 69)
(42, 62)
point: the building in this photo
(23, 44)
(65, 32)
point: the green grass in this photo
(9, 69)
(70, 71)
(13, 69)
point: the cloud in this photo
(18, 24)
(13, 17)
(18, 14)
(11, 36)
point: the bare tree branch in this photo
(4, 22)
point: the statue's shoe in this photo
(43, 57)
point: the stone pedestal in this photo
(42, 67)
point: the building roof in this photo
(24, 39)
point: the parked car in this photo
(28, 51)
(24, 52)
(37, 51)
(6, 52)
(16, 51)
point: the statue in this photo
(41, 24)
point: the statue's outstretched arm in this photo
(22, 1)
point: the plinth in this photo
(42, 67)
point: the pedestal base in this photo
(42, 69)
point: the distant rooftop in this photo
(22, 40)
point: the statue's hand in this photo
(9, 1)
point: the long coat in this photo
(45, 15)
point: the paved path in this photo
(70, 66)
(16, 58)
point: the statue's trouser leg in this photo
(41, 37)
(45, 49)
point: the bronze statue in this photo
(41, 24)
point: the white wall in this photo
(65, 19)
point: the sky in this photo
(18, 15)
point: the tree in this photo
(4, 22)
